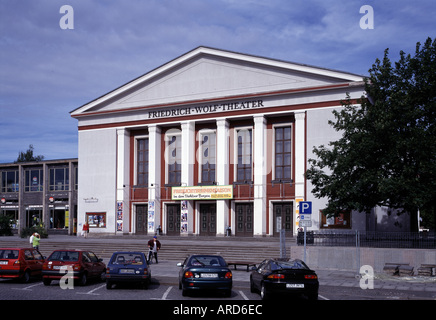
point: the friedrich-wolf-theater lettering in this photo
(208, 108)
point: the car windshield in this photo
(292, 264)
(64, 256)
(207, 261)
(8, 254)
(127, 258)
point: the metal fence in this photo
(413, 240)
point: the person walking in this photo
(85, 229)
(153, 247)
(35, 241)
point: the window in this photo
(174, 158)
(340, 221)
(244, 164)
(33, 180)
(59, 179)
(282, 149)
(142, 162)
(76, 178)
(208, 157)
(96, 219)
(9, 181)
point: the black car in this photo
(128, 267)
(274, 276)
(205, 272)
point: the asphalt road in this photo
(161, 289)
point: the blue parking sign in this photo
(305, 207)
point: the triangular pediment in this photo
(207, 74)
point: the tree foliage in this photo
(28, 156)
(387, 153)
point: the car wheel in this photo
(83, 279)
(46, 282)
(26, 277)
(184, 292)
(263, 292)
(252, 287)
(108, 285)
(103, 276)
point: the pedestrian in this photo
(85, 229)
(31, 239)
(153, 248)
(35, 241)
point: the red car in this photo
(20, 263)
(84, 264)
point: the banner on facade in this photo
(119, 216)
(202, 193)
(184, 217)
(151, 216)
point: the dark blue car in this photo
(129, 267)
(205, 272)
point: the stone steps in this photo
(172, 249)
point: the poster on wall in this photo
(119, 216)
(151, 216)
(184, 217)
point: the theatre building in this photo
(209, 143)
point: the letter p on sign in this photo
(305, 207)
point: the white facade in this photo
(208, 118)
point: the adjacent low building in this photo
(40, 193)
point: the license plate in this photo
(294, 285)
(209, 275)
(3, 262)
(60, 267)
(127, 271)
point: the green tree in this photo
(387, 153)
(28, 156)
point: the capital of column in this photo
(300, 115)
(259, 119)
(153, 128)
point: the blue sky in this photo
(46, 71)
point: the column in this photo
(188, 157)
(300, 158)
(123, 184)
(154, 171)
(222, 174)
(260, 161)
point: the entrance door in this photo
(141, 219)
(207, 219)
(283, 218)
(244, 219)
(173, 219)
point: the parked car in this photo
(128, 267)
(20, 263)
(205, 272)
(84, 264)
(274, 276)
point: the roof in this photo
(206, 73)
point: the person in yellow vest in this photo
(35, 241)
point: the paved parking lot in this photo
(13, 290)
